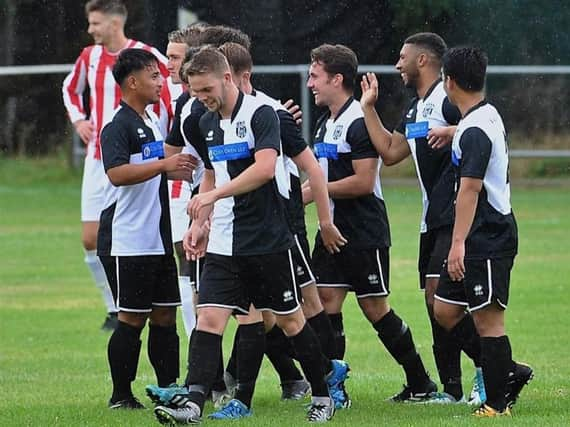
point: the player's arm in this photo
(465, 207)
(195, 239)
(475, 147)
(72, 89)
(392, 147)
(443, 135)
(359, 184)
(177, 167)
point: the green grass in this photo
(53, 368)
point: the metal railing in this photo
(304, 96)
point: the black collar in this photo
(478, 105)
(237, 106)
(432, 87)
(343, 108)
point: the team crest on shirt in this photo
(428, 109)
(241, 130)
(337, 132)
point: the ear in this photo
(131, 82)
(422, 60)
(338, 79)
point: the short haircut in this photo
(466, 66)
(108, 7)
(431, 42)
(183, 72)
(132, 60)
(207, 60)
(217, 35)
(337, 59)
(186, 35)
(238, 57)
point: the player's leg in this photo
(92, 200)
(369, 275)
(127, 279)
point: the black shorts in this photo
(196, 268)
(485, 281)
(233, 282)
(302, 259)
(434, 249)
(140, 283)
(364, 271)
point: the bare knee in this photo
(311, 301)
(163, 316)
(447, 315)
(431, 287)
(136, 320)
(332, 299)
(212, 319)
(291, 324)
(374, 308)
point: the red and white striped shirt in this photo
(93, 69)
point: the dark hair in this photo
(238, 57)
(186, 35)
(108, 7)
(183, 72)
(207, 60)
(466, 66)
(131, 60)
(217, 35)
(337, 59)
(431, 42)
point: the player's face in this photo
(149, 83)
(407, 65)
(100, 27)
(175, 53)
(448, 87)
(209, 89)
(320, 84)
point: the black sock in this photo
(321, 324)
(278, 350)
(447, 355)
(466, 334)
(309, 353)
(397, 338)
(251, 347)
(204, 361)
(496, 361)
(164, 353)
(231, 367)
(219, 384)
(339, 338)
(190, 347)
(123, 353)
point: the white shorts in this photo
(180, 193)
(92, 187)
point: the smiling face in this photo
(175, 53)
(147, 83)
(210, 89)
(321, 84)
(407, 65)
(102, 27)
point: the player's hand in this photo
(307, 194)
(369, 85)
(440, 136)
(195, 241)
(180, 166)
(295, 111)
(200, 201)
(455, 262)
(84, 129)
(332, 239)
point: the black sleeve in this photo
(359, 140)
(115, 147)
(475, 152)
(265, 128)
(191, 129)
(203, 147)
(450, 112)
(291, 138)
(174, 137)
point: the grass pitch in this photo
(53, 368)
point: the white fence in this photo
(304, 96)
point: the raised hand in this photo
(369, 85)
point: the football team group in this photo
(185, 157)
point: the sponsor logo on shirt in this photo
(152, 150)
(326, 150)
(235, 151)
